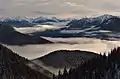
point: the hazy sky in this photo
(59, 8)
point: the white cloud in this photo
(71, 4)
(86, 44)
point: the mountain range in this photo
(29, 22)
(103, 27)
(81, 64)
(104, 22)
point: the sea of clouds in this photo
(86, 44)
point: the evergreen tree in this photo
(59, 73)
(54, 76)
(65, 71)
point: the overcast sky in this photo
(59, 8)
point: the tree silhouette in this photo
(99, 67)
(65, 71)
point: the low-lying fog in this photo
(40, 27)
(87, 44)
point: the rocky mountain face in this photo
(9, 36)
(12, 66)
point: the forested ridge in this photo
(99, 67)
(13, 66)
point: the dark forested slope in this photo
(100, 67)
(8, 35)
(62, 58)
(12, 66)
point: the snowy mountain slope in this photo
(88, 22)
(29, 22)
(103, 27)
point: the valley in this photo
(52, 46)
(86, 44)
(59, 39)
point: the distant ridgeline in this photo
(99, 67)
(29, 22)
